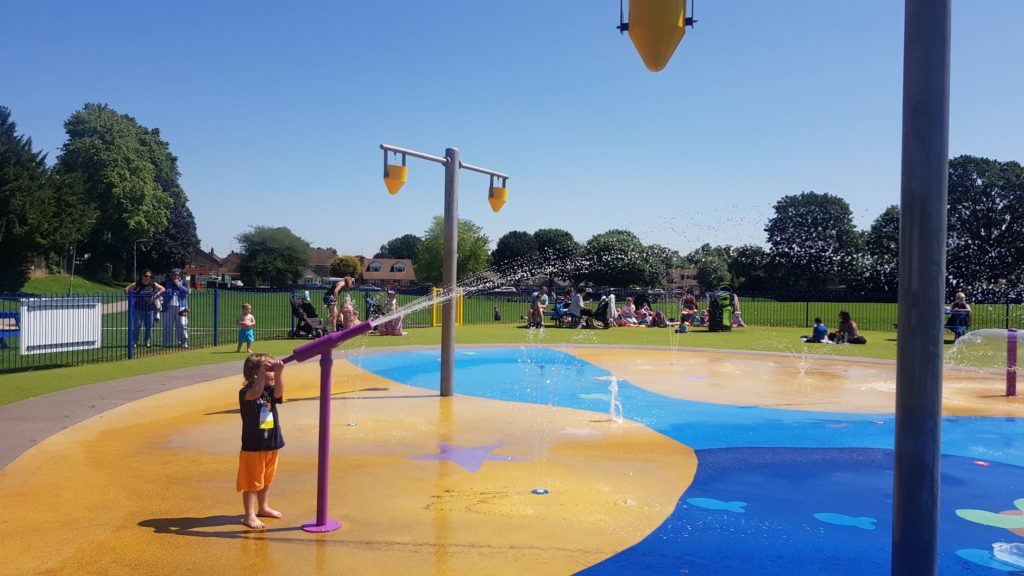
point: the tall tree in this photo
(882, 253)
(272, 256)
(473, 255)
(713, 272)
(985, 250)
(403, 247)
(814, 244)
(704, 251)
(174, 246)
(748, 268)
(26, 204)
(559, 253)
(516, 249)
(619, 258)
(129, 176)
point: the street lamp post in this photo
(135, 259)
(452, 164)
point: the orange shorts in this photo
(256, 470)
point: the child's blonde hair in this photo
(246, 305)
(961, 296)
(252, 364)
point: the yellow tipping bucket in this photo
(497, 197)
(395, 178)
(656, 27)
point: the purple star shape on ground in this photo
(471, 458)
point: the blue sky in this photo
(276, 110)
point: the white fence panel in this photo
(59, 324)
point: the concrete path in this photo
(24, 424)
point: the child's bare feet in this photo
(253, 522)
(268, 512)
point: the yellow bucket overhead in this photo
(656, 27)
(497, 197)
(395, 178)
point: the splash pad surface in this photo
(429, 485)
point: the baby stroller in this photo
(604, 314)
(374, 309)
(307, 322)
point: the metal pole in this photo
(1011, 362)
(450, 269)
(322, 522)
(922, 271)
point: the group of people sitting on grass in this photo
(846, 333)
(571, 309)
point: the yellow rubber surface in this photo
(148, 488)
(795, 382)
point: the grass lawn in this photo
(881, 345)
(59, 283)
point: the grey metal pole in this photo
(922, 273)
(450, 272)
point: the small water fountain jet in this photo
(614, 407)
(989, 348)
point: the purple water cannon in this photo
(323, 346)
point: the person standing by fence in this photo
(144, 293)
(175, 314)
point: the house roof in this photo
(388, 269)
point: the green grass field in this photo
(63, 284)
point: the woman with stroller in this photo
(144, 295)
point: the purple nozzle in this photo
(325, 344)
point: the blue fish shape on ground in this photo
(713, 504)
(863, 522)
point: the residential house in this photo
(683, 279)
(320, 261)
(384, 271)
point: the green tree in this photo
(882, 253)
(403, 247)
(174, 246)
(127, 175)
(814, 244)
(473, 255)
(713, 272)
(985, 250)
(695, 257)
(27, 204)
(345, 266)
(668, 257)
(619, 258)
(559, 253)
(748, 268)
(515, 249)
(272, 257)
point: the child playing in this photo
(245, 334)
(349, 317)
(820, 333)
(261, 435)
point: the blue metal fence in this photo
(74, 329)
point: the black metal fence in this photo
(44, 331)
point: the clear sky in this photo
(276, 109)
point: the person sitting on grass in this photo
(538, 304)
(629, 313)
(688, 308)
(819, 334)
(847, 331)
